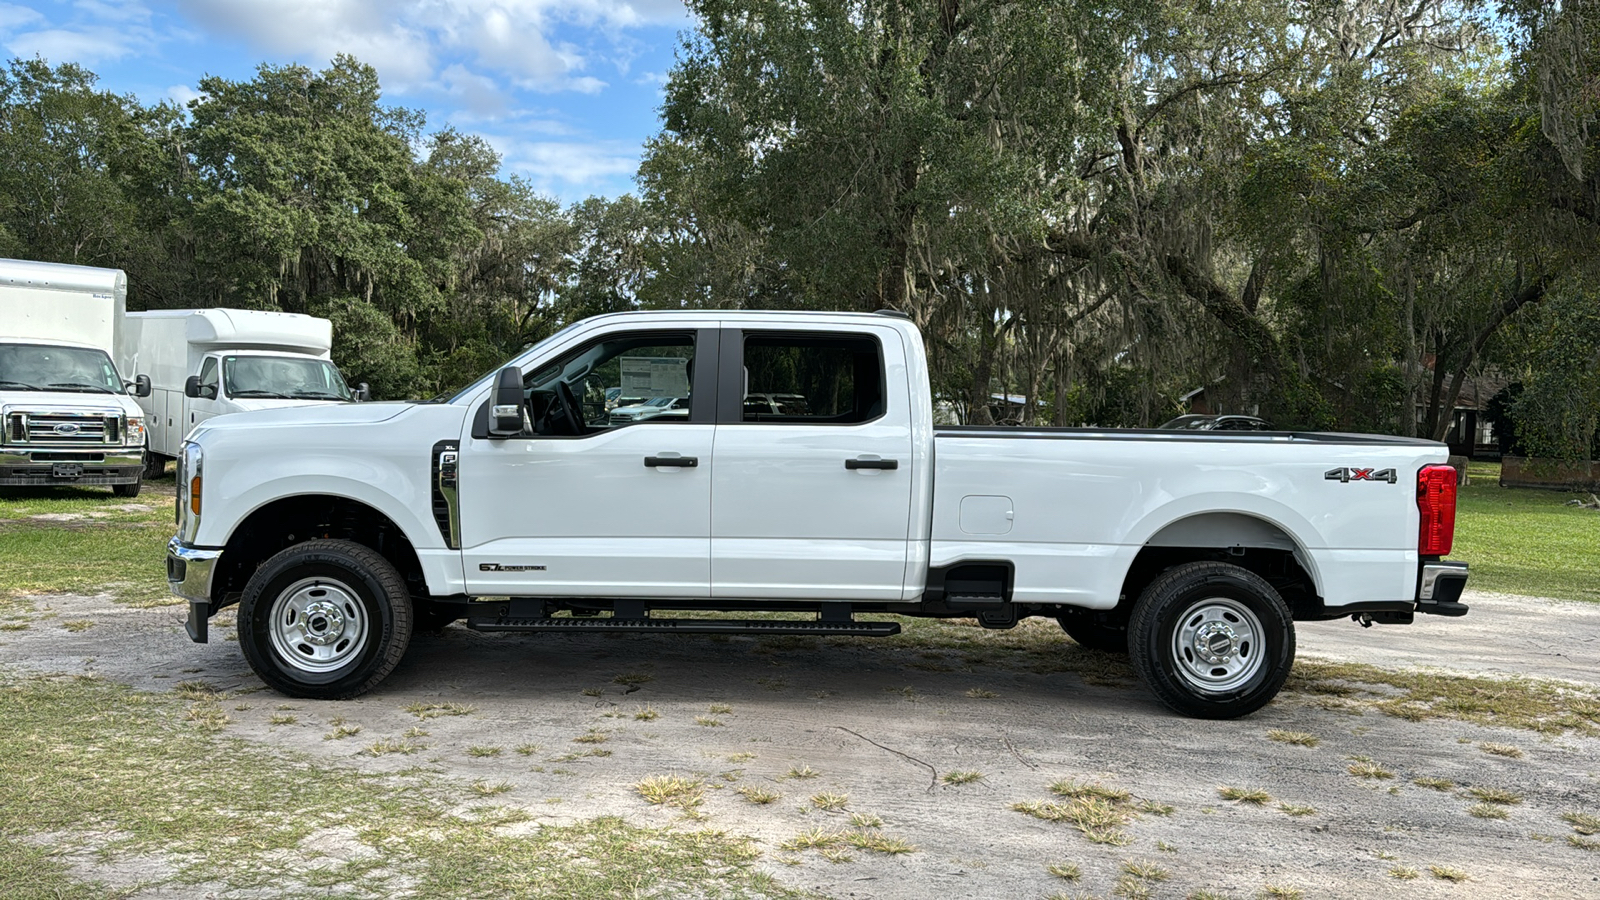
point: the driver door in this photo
(585, 503)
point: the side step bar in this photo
(686, 626)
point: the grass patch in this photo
(1075, 790)
(439, 710)
(483, 752)
(1145, 871)
(1362, 767)
(590, 737)
(391, 746)
(961, 776)
(865, 820)
(981, 694)
(1402, 873)
(90, 533)
(1582, 823)
(1499, 796)
(709, 722)
(1447, 873)
(109, 772)
(1487, 811)
(1291, 809)
(1526, 542)
(720, 709)
(1297, 738)
(801, 772)
(1505, 750)
(830, 801)
(1282, 892)
(1249, 796)
(1064, 871)
(672, 790)
(645, 714)
(1437, 784)
(760, 796)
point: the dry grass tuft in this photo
(1494, 795)
(1505, 750)
(1251, 796)
(760, 796)
(1361, 767)
(830, 802)
(1446, 873)
(961, 776)
(1297, 738)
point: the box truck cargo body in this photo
(208, 362)
(66, 416)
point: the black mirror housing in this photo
(505, 417)
(363, 392)
(141, 386)
(191, 386)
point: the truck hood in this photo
(69, 402)
(319, 415)
(253, 404)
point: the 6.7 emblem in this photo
(1346, 475)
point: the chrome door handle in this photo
(872, 464)
(681, 462)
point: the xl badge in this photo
(1347, 475)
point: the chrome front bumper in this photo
(189, 572)
(40, 466)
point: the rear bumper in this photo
(1439, 587)
(189, 574)
(119, 465)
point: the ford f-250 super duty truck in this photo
(521, 505)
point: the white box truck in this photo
(207, 362)
(66, 416)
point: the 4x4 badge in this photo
(1347, 475)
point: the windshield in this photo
(282, 378)
(40, 367)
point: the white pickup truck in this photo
(520, 504)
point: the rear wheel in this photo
(325, 619)
(155, 465)
(1094, 635)
(1212, 640)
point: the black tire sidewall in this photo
(325, 559)
(1170, 599)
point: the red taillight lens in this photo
(1436, 501)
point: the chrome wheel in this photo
(317, 624)
(1218, 645)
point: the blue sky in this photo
(566, 90)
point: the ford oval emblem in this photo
(66, 429)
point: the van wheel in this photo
(1092, 635)
(126, 490)
(325, 620)
(155, 465)
(1212, 640)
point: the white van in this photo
(65, 413)
(208, 362)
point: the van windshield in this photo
(282, 378)
(42, 367)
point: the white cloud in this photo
(86, 46)
(407, 40)
(572, 163)
(12, 15)
(181, 94)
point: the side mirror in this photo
(363, 392)
(505, 417)
(191, 387)
(141, 386)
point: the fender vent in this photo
(446, 499)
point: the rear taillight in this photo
(1436, 501)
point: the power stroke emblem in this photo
(497, 567)
(1347, 474)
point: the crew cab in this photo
(339, 530)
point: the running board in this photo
(687, 626)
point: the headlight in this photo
(135, 433)
(190, 467)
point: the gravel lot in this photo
(883, 723)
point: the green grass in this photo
(108, 544)
(1526, 541)
(110, 773)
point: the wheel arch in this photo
(283, 522)
(1249, 539)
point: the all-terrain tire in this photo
(1093, 635)
(1212, 640)
(325, 620)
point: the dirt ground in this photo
(884, 722)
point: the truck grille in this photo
(63, 429)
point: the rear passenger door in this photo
(811, 488)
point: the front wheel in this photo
(1212, 640)
(325, 620)
(126, 490)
